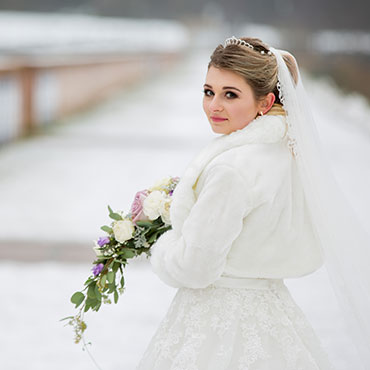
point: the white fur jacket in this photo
(239, 210)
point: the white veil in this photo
(346, 245)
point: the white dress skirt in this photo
(235, 324)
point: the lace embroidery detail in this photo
(292, 142)
(230, 328)
(292, 145)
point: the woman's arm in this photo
(196, 257)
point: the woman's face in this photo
(228, 101)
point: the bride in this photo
(251, 210)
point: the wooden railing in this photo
(36, 92)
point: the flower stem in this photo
(89, 353)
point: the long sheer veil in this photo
(345, 243)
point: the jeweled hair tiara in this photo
(235, 41)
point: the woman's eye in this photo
(231, 95)
(208, 92)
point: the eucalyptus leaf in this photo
(77, 298)
(87, 306)
(115, 296)
(127, 253)
(89, 280)
(122, 281)
(144, 223)
(163, 229)
(115, 266)
(91, 291)
(107, 229)
(96, 308)
(153, 238)
(112, 288)
(90, 303)
(97, 293)
(103, 280)
(111, 276)
(115, 216)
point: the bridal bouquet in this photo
(127, 236)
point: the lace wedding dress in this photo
(256, 326)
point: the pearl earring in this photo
(261, 113)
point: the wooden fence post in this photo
(27, 81)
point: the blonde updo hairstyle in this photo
(259, 70)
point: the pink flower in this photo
(137, 206)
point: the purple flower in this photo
(103, 240)
(97, 269)
(171, 192)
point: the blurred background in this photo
(99, 99)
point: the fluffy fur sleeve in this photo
(196, 256)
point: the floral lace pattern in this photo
(291, 142)
(219, 328)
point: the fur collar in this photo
(264, 129)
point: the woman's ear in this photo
(267, 102)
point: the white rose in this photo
(123, 230)
(165, 211)
(152, 204)
(162, 183)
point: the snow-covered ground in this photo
(32, 337)
(55, 187)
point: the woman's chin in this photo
(218, 129)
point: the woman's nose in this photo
(215, 105)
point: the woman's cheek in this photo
(205, 106)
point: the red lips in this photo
(218, 119)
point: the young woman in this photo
(245, 216)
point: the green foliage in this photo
(97, 293)
(128, 253)
(107, 229)
(110, 276)
(91, 290)
(122, 281)
(144, 223)
(77, 298)
(115, 266)
(113, 215)
(110, 282)
(153, 238)
(102, 281)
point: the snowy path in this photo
(62, 180)
(55, 187)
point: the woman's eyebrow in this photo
(230, 87)
(224, 88)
